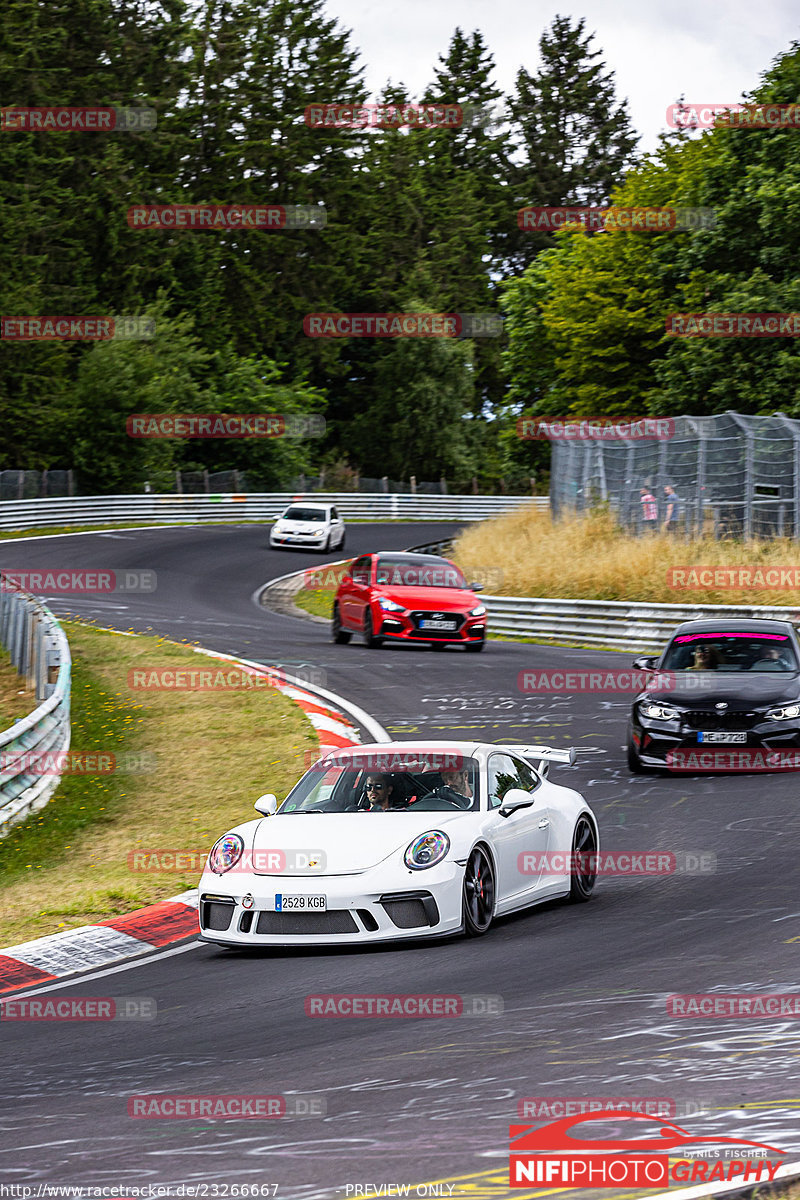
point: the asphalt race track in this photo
(583, 987)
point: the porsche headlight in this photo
(784, 712)
(478, 612)
(226, 853)
(427, 850)
(658, 712)
(389, 605)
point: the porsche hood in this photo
(343, 843)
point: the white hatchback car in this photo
(304, 524)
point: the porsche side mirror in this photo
(477, 587)
(646, 662)
(514, 799)
(267, 804)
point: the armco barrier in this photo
(40, 652)
(252, 506)
(613, 624)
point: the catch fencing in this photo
(736, 476)
(40, 652)
(263, 506)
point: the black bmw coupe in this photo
(727, 684)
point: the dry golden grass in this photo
(15, 699)
(215, 753)
(589, 557)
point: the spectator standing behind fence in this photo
(649, 510)
(673, 502)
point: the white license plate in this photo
(723, 738)
(300, 903)
(438, 624)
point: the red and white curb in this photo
(158, 925)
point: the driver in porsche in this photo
(456, 787)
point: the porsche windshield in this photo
(733, 650)
(304, 514)
(377, 783)
(393, 570)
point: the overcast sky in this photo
(657, 49)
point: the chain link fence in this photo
(32, 485)
(734, 476)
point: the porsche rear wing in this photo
(544, 755)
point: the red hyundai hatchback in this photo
(408, 598)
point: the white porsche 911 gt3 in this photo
(401, 840)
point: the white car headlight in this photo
(658, 712)
(226, 853)
(785, 712)
(479, 611)
(427, 850)
(389, 605)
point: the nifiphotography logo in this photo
(553, 1156)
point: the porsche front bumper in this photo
(239, 908)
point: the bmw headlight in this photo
(658, 712)
(785, 712)
(427, 850)
(226, 853)
(389, 605)
(478, 612)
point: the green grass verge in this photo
(215, 753)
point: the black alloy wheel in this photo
(584, 861)
(479, 891)
(339, 635)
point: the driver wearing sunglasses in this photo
(379, 789)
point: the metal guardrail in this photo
(40, 652)
(251, 506)
(609, 624)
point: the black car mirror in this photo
(476, 587)
(646, 662)
(515, 798)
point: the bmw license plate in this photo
(723, 738)
(429, 624)
(300, 903)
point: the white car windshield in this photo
(432, 783)
(305, 514)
